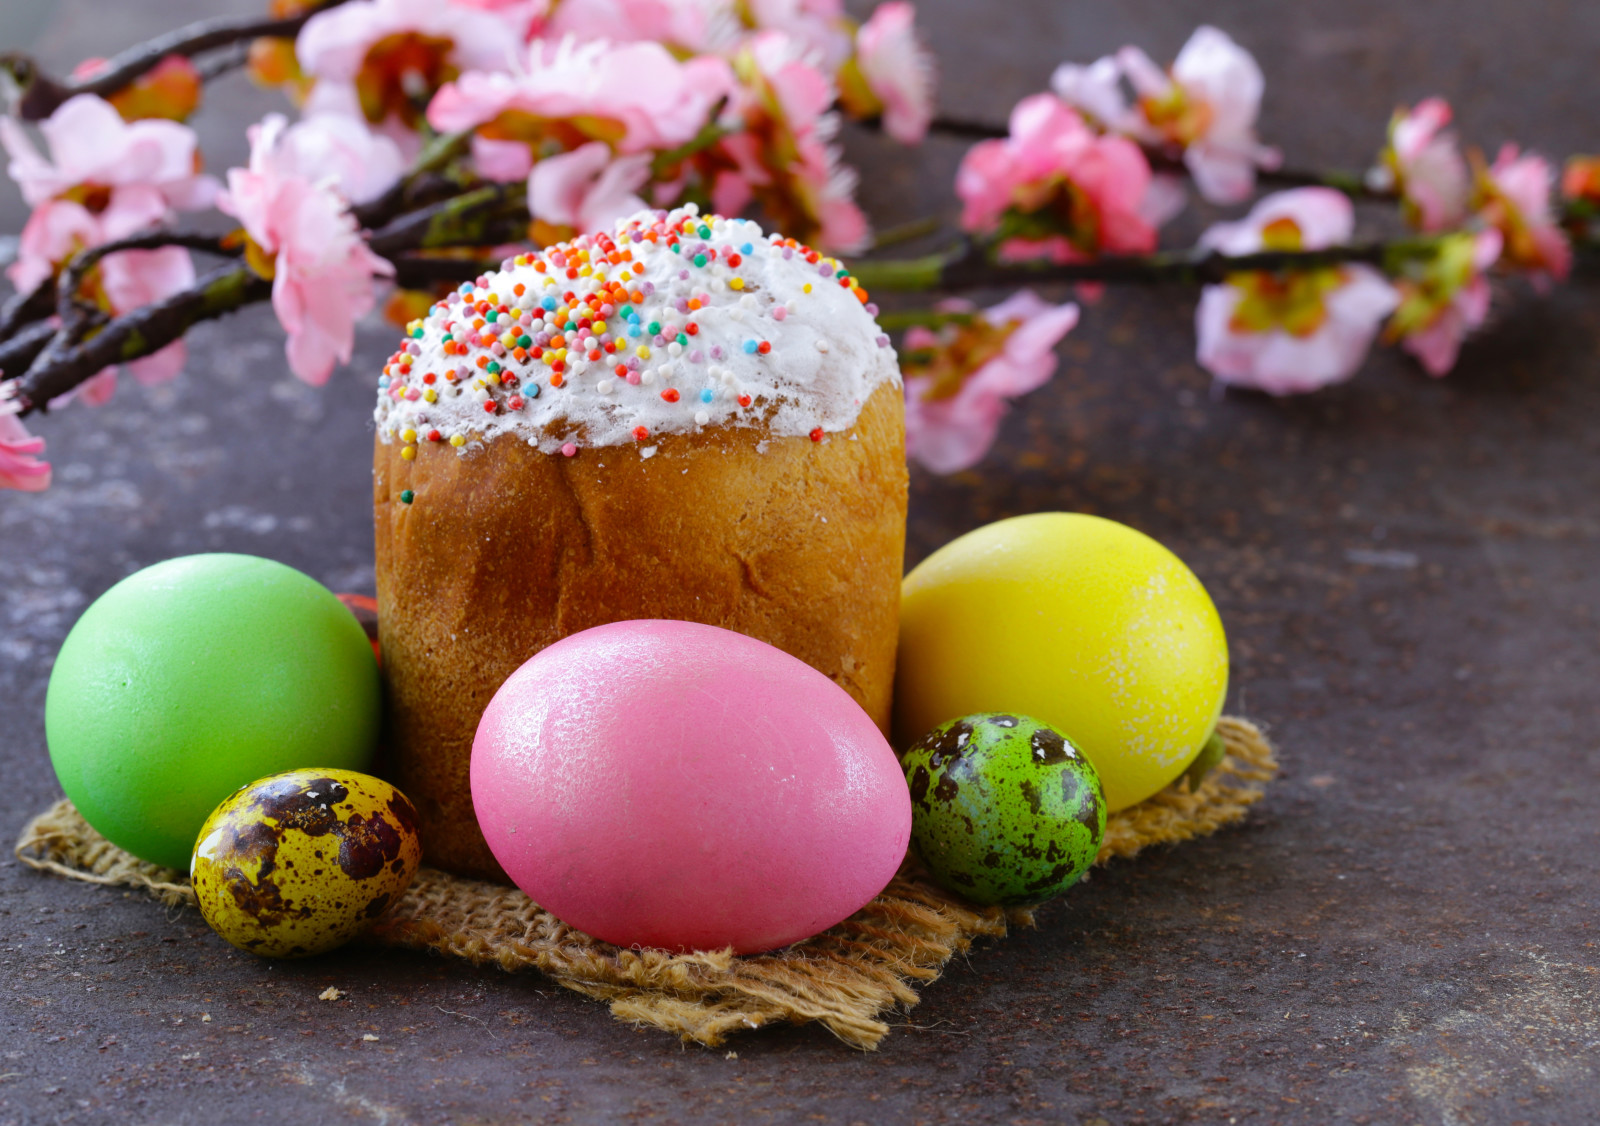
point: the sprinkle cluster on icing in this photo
(672, 323)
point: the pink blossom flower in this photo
(1206, 105)
(303, 237)
(818, 27)
(106, 179)
(633, 96)
(140, 164)
(361, 163)
(381, 58)
(586, 189)
(782, 153)
(55, 231)
(959, 380)
(20, 467)
(892, 74)
(527, 18)
(1290, 332)
(786, 79)
(1097, 92)
(827, 188)
(685, 24)
(1424, 163)
(59, 228)
(1444, 299)
(1055, 189)
(135, 278)
(1514, 195)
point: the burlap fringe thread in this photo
(845, 978)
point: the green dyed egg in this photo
(1003, 808)
(197, 676)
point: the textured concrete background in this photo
(1403, 932)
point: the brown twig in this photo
(231, 57)
(22, 309)
(968, 267)
(41, 95)
(434, 158)
(79, 317)
(139, 333)
(87, 341)
(23, 347)
(70, 280)
(41, 347)
(474, 218)
(958, 127)
(418, 271)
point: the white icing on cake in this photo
(780, 343)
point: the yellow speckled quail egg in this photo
(301, 862)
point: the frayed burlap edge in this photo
(846, 978)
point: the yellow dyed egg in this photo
(1080, 622)
(300, 862)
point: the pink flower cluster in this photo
(959, 380)
(603, 107)
(20, 467)
(1056, 189)
(1295, 332)
(1424, 163)
(1205, 107)
(1515, 195)
(541, 85)
(106, 179)
(1446, 299)
(781, 153)
(606, 108)
(377, 59)
(895, 72)
(293, 204)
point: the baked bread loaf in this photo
(685, 419)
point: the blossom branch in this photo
(70, 281)
(435, 157)
(23, 346)
(1170, 159)
(973, 269)
(25, 333)
(136, 334)
(87, 341)
(39, 95)
(483, 216)
(21, 309)
(232, 57)
(709, 135)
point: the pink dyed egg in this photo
(677, 785)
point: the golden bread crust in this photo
(507, 550)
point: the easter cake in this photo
(685, 419)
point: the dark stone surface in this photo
(1403, 931)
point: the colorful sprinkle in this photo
(583, 316)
